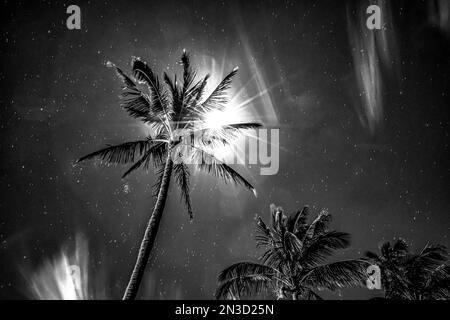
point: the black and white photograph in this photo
(231, 157)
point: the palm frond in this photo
(218, 98)
(177, 95)
(300, 222)
(198, 91)
(263, 235)
(242, 126)
(211, 165)
(319, 225)
(278, 220)
(188, 73)
(292, 245)
(172, 84)
(292, 219)
(155, 152)
(120, 154)
(323, 246)
(275, 214)
(226, 173)
(245, 278)
(182, 175)
(296, 223)
(189, 115)
(437, 285)
(228, 134)
(133, 100)
(144, 74)
(275, 256)
(137, 164)
(336, 275)
(193, 96)
(437, 252)
(159, 153)
(425, 263)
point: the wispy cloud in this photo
(374, 52)
(439, 15)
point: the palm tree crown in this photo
(175, 113)
(413, 276)
(294, 261)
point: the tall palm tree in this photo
(176, 113)
(413, 276)
(294, 261)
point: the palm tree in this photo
(294, 261)
(176, 113)
(413, 276)
(390, 260)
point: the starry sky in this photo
(374, 153)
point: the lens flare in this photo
(216, 119)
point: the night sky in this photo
(381, 175)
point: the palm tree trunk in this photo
(150, 233)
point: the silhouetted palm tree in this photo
(390, 260)
(294, 262)
(176, 113)
(413, 276)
